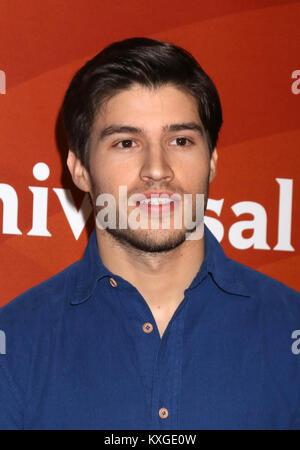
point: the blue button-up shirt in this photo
(78, 354)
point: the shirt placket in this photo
(158, 360)
(142, 336)
(167, 377)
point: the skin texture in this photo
(160, 263)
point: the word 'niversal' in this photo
(77, 218)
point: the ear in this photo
(213, 165)
(78, 172)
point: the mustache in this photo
(145, 189)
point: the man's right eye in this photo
(125, 143)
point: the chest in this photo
(115, 376)
(213, 368)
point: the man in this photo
(155, 328)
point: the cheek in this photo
(194, 178)
(114, 170)
(108, 179)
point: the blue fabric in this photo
(77, 356)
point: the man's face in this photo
(158, 153)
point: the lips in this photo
(157, 201)
(156, 194)
(157, 209)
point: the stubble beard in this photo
(149, 240)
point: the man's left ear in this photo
(213, 165)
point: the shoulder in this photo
(29, 322)
(269, 292)
(257, 280)
(28, 326)
(41, 299)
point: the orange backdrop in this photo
(250, 49)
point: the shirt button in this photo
(163, 413)
(147, 327)
(113, 282)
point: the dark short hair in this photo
(150, 63)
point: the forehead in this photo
(139, 103)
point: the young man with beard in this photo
(155, 328)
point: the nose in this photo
(156, 166)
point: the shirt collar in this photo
(222, 269)
(90, 269)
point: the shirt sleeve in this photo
(11, 416)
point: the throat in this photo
(163, 312)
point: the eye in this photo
(182, 141)
(126, 143)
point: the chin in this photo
(157, 241)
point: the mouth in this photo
(157, 205)
(158, 202)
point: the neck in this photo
(152, 274)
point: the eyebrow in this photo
(117, 129)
